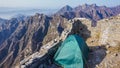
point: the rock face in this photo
(105, 33)
(104, 43)
(110, 31)
(7, 28)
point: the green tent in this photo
(72, 53)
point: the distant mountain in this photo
(7, 28)
(20, 17)
(66, 8)
(92, 12)
(2, 20)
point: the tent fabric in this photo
(72, 53)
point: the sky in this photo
(54, 3)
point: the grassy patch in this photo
(97, 35)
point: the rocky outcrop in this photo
(105, 43)
(109, 31)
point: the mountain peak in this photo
(93, 5)
(65, 8)
(85, 5)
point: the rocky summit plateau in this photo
(31, 42)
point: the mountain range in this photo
(21, 37)
(92, 12)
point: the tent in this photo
(72, 53)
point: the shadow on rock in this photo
(80, 29)
(96, 55)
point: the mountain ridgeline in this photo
(19, 38)
(92, 12)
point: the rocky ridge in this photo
(21, 42)
(27, 36)
(102, 55)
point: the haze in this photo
(54, 3)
